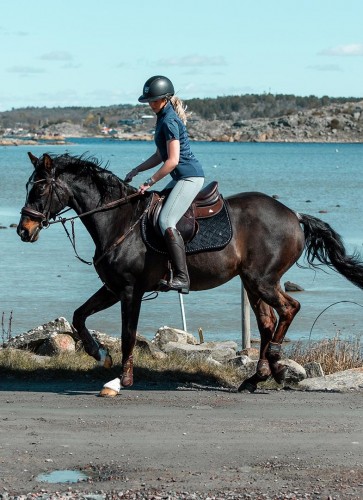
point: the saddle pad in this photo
(214, 233)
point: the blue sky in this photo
(94, 53)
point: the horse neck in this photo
(101, 225)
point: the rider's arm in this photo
(172, 161)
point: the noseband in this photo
(34, 214)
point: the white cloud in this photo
(25, 70)
(57, 56)
(352, 49)
(193, 60)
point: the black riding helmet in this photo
(156, 88)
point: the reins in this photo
(27, 211)
(108, 206)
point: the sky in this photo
(100, 53)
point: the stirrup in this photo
(166, 286)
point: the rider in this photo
(173, 150)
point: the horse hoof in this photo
(247, 386)
(108, 393)
(111, 389)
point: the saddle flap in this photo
(206, 204)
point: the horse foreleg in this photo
(101, 300)
(130, 311)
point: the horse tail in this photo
(324, 244)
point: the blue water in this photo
(44, 280)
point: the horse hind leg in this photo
(266, 321)
(271, 298)
(286, 310)
(101, 300)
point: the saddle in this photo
(206, 204)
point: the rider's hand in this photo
(143, 188)
(147, 184)
(131, 175)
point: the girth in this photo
(206, 204)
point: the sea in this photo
(44, 280)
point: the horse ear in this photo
(33, 159)
(48, 162)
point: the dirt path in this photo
(153, 441)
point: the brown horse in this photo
(268, 238)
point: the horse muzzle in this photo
(31, 222)
(28, 230)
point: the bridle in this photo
(44, 221)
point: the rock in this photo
(57, 343)
(346, 380)
(251, 352)
(147, 346)
(239, 361)
(292, 287)
(219, 351)
(213, 362)
(167, 334)
(33, 339)
(294, 372)
(314, 369)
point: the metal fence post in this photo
(246, 323)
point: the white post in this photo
(181, 301)
(246, 324)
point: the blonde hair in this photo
(179, 108)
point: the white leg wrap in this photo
(114, 384)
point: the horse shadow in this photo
(72, 382)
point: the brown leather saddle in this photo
(207, 203)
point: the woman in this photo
(173, 151)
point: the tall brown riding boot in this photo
(176, 249)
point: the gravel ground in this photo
(173, 442)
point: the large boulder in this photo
(294, 371)
(167, 334)
(56, 343)
(33, 339)
(172, 340)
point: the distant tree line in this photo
(259, 106)
(240, 107)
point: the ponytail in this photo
(179, 108)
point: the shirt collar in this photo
(164, 110)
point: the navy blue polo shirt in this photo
(169, 126)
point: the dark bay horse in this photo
(268, 238)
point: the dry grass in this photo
(334, 355)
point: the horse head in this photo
(47, 195)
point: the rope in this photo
(331, 305)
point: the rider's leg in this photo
(177, 203)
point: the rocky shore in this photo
(56, 337)
(335, 123)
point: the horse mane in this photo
(91, 168)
